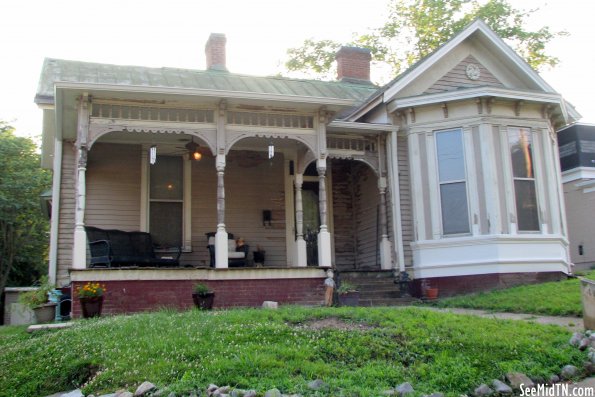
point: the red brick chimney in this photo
(215, 52)
(353, 64)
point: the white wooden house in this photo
(449, 173)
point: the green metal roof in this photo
(59, 70)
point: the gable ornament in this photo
(473, 72)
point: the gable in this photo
(457, 77)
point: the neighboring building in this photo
(449, 173)
(577, 160)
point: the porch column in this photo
(385, 245)
(301, 257)
(324, 237)
(79, 247)
(221, 255)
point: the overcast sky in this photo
(173, 33)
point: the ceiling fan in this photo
(193, 150)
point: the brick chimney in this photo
(353, 64)
(215, 52)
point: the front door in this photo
(311, 220)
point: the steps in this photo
(376, 287)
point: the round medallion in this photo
(473, 72)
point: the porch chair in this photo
(237, 257)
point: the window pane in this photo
(455, 217)
(166, 224)
(166, 178)
(526, 205)
(521, 152)
(451, 163)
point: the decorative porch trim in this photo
(133, 274)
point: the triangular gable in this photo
(458, 77)
(486, 39)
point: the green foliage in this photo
(346, 287)
(201, 289)
(36, 298)
(558, 298)
(262, 349)
(415, 28)
(23, 228)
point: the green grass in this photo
(262, 349)
(557, 298)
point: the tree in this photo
(415, 28)
(23, 227)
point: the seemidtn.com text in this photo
(557, 390)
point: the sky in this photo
(173, 33)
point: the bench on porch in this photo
(110, 247)
(237, 257)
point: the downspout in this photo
(55, 221)
(393, 170)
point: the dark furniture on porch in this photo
(237, 256)
(112, 247)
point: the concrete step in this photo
(376, 287)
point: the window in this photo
(166, 201)
(520, 142)
(452, 179)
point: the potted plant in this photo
(427, 291)
(348, 294)
(203, 297)
(90, 296)
(37, 301)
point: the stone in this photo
(589, 368)
(501, 387)
(435, 395)
(250, 393)
(211, 389)
(482, 391)
(575, 339)
(554, 379)
(144, 389)
(591, 356)
(584, 343)
(237, 393)
(517, 379)
(272, 393)
(172, 394)
(568, 372)
(317, 384)
(270, 305)
(403, 389)
(124, 393)
(224, 389)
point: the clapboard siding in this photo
(343, 219)
(66, 219)
(366, 217)
(405, 197)
(113, 186)
(252, 184)
(457, 78)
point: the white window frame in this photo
(187, 199)
(439, 183)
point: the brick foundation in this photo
(133, 296)
(449, 286)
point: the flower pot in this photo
(431, 293)
(203, 301)
(91, 306)
(349, 298)
(45, 313)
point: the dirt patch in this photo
(334, 323)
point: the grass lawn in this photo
(557, 298)
(373, 349)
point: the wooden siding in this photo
(113, 187)
(579, 209)
(457, 78)
(67, 207)
(479, 172)
(355, 207)
(405, 196)
(252, 184)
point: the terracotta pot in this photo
(204, 301)
(91, 306)
(349, 299)
(432, 293)
(45, 313)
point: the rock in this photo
(568, 372)
(591, 356)
(517, 379)
(403, 389)
(73, 393)
(436, 395)
(317, 384)
(554, 379)
(584, 343)
(124, 393)
(270, 305)
(211, 389)
(172, 394)
(575, 339)
(501, 387)
(482, 391)
(273, 393)
(250, 393)
(589, 368)
(224, 389)
(237, 393)
(144, 388)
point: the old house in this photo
(449, 173)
